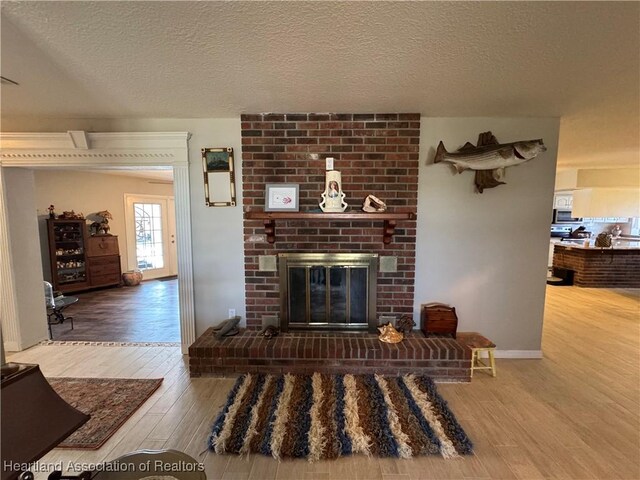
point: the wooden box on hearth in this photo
(438, 318)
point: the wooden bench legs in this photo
(477, 361)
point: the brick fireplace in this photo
(377, 154)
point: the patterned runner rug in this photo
(109, 401)
(326, 416)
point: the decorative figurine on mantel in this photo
(270, 331)
(333, 196)
(373, 204)
(52, 213)
(405, 324)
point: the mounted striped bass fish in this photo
(490, 157)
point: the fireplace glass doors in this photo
(328, 291)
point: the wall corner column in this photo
(8, 308)
(185, 256)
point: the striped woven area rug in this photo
(327, 416)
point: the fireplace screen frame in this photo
(328, 260)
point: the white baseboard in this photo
(518, 354)
(11, 346)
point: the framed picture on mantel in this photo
(281, 197)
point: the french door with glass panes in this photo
(151, 235)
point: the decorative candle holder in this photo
(333, 196)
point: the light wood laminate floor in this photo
(573, 414)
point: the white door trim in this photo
(102, 150)
(9, 301)
(173, 246)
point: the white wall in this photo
(89, 193)
(486, 254)
(217, 232)
(27, 274)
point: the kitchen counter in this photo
(599, 267)
(591, 247)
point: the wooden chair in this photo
(56, 306)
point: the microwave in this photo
(564, 216)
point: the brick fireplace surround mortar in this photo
(376, 153)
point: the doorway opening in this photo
(89, 150)
(143, 231)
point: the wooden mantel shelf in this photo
(390, 220)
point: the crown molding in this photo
(75, 148)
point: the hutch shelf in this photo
(67, 252)
(80, 261)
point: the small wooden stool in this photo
(478, 344)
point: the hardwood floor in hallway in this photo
(572, 415)
(145, 313)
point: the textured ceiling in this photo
(576, 60)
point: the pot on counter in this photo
(580, 232)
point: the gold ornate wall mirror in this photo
(219, 177)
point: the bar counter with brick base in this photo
(600, 267)
(443, 359)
